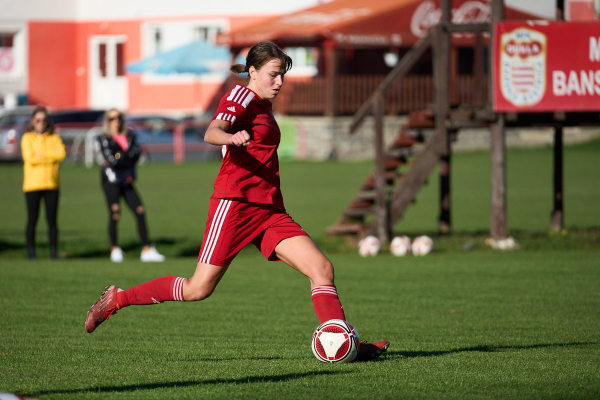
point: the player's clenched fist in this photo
(239, 139)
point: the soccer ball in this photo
(400, 246)
(335, 341)
(10, 396)
(422, 245)
(369, 246)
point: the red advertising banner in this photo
(542, 66)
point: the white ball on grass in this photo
(400, 245)
(422, 245)
(369, 246)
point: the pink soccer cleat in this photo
(103, 309)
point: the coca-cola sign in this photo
(428, 14)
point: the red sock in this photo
(167, 288)
(327, 303)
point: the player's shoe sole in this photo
(370, 351)
(103, 309)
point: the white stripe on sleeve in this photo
(240, 95)
(248, 99)
(233, 92)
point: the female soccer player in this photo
(246, 205)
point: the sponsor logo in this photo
(155, 301)
(325, 18)
(427, 15)
(232, 108)
(522, 61)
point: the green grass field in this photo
(476, 324)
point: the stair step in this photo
(421, 120)
(392, 163)
(366, 195)
(401, 152)
(369, 183)
(404, 140)
(345, 228)
(360, 204)
(357, 212)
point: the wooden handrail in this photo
(401, 69)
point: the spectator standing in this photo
(121, 153)
(42, 151)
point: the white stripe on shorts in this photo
(215, 230)
(178, 289)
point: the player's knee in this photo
(115, 216)
(327, 271)
(197, 292)
(140, 209)
(115, 207)
(323, 273)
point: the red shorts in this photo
(233, 224)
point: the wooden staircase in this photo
(402, 185)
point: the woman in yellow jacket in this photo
(42, 151)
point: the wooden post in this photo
(331, 77)
(478, 70)
(498, 225)
(441, 76)
(381, 216)
(497, 15)
(446, 11)
(556, 222)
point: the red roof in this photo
(363, 23)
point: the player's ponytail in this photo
(238, 69)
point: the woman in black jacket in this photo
(121, 153)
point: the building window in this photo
(6, 39)
(154, 40)
(157, 41)
(102, 59)
(206, 33)
(305, 60)
(120, 64)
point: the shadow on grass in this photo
(235, 359)
(5, 245)
(171, 385)
(482, 349)
(126, 247)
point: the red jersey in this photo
(249, 173)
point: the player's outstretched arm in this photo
(217, 134)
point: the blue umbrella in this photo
(198, 57)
